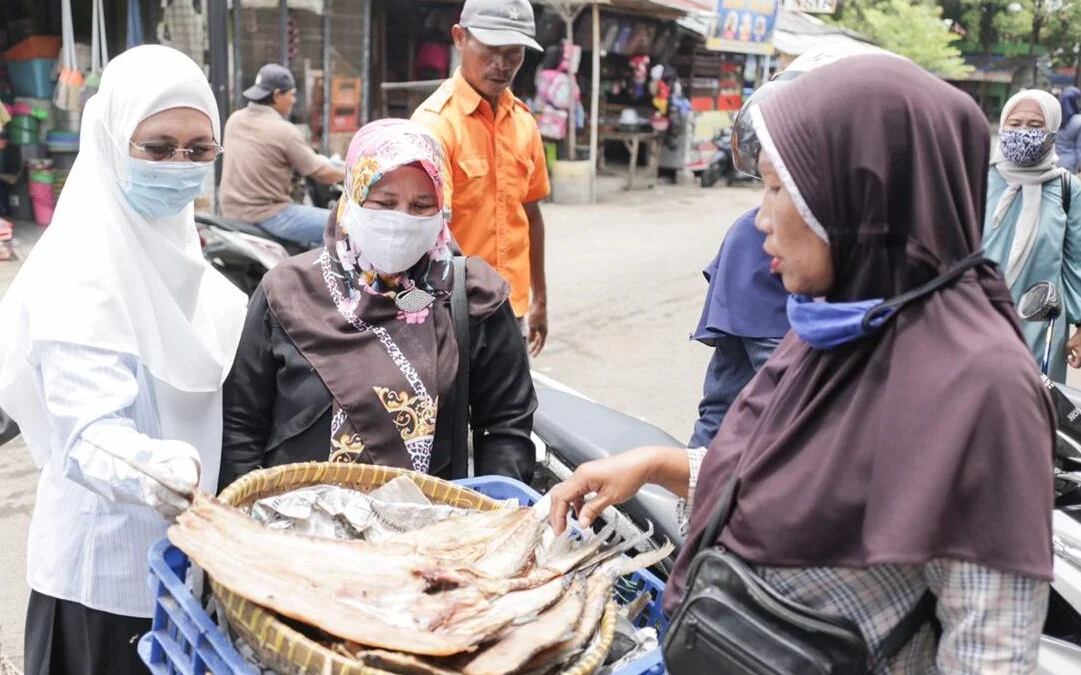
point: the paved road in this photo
(625, 290)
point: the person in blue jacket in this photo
(1068, 138)
(744, 319)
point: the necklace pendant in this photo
(414, 300)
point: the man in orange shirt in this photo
(494, 153)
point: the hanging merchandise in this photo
(183, 27)
(135, 24)
(640, 65)
(70, 85)
(99, 53)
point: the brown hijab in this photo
(933, 437)
(383, 345)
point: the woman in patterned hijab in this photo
(349, 352)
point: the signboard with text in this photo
(744, 26)
(812, 6)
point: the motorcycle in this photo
(720, 165)
(570, 429)
(1061, 642)
(243, 252)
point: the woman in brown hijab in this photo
(349, 353)
(889, 447)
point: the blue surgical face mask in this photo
(828, 325)
(162, 189)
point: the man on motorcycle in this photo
(262, 151)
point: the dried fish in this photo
(522, 642)
(345, 589)
(598, 593)
(474, 594)
(497, 544)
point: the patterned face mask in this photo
(1026, 146)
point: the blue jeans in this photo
(301, 224)
(735, 362)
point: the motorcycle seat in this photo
(244, 228)
(584, 430)
(580, 431)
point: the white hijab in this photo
(1027, 181)
(106, 277)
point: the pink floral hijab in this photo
(377, 149)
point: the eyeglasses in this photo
(199, 153)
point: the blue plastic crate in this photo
(184, 640)
(32, 78)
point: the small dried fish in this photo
(598, 593)
(522, 642)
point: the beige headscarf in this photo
(1027, 181)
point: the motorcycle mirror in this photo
(1041, 302)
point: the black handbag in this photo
(733, 622)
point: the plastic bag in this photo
(69, 86)
(99, 53)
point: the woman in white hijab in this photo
(115, 339)
(1032, 227)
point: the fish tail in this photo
(647, 559)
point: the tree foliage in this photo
(915, 29)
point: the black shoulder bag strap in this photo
(899, 635)
(1067, 192)
(459, 314)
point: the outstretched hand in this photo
(611, 481)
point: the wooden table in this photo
(632, 140)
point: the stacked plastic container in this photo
(40, 173)
(30, 65)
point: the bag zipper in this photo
(724, 642)
(712, 595)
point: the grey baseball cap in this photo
(271, 78)
(501, 23)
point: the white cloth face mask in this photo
(392, 241)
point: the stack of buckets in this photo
(30, 66)
(41, 190)
(63, 147)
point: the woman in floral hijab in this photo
(349, 353)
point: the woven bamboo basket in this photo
(290, 652)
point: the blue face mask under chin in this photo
(163, 189)
(828, 325)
